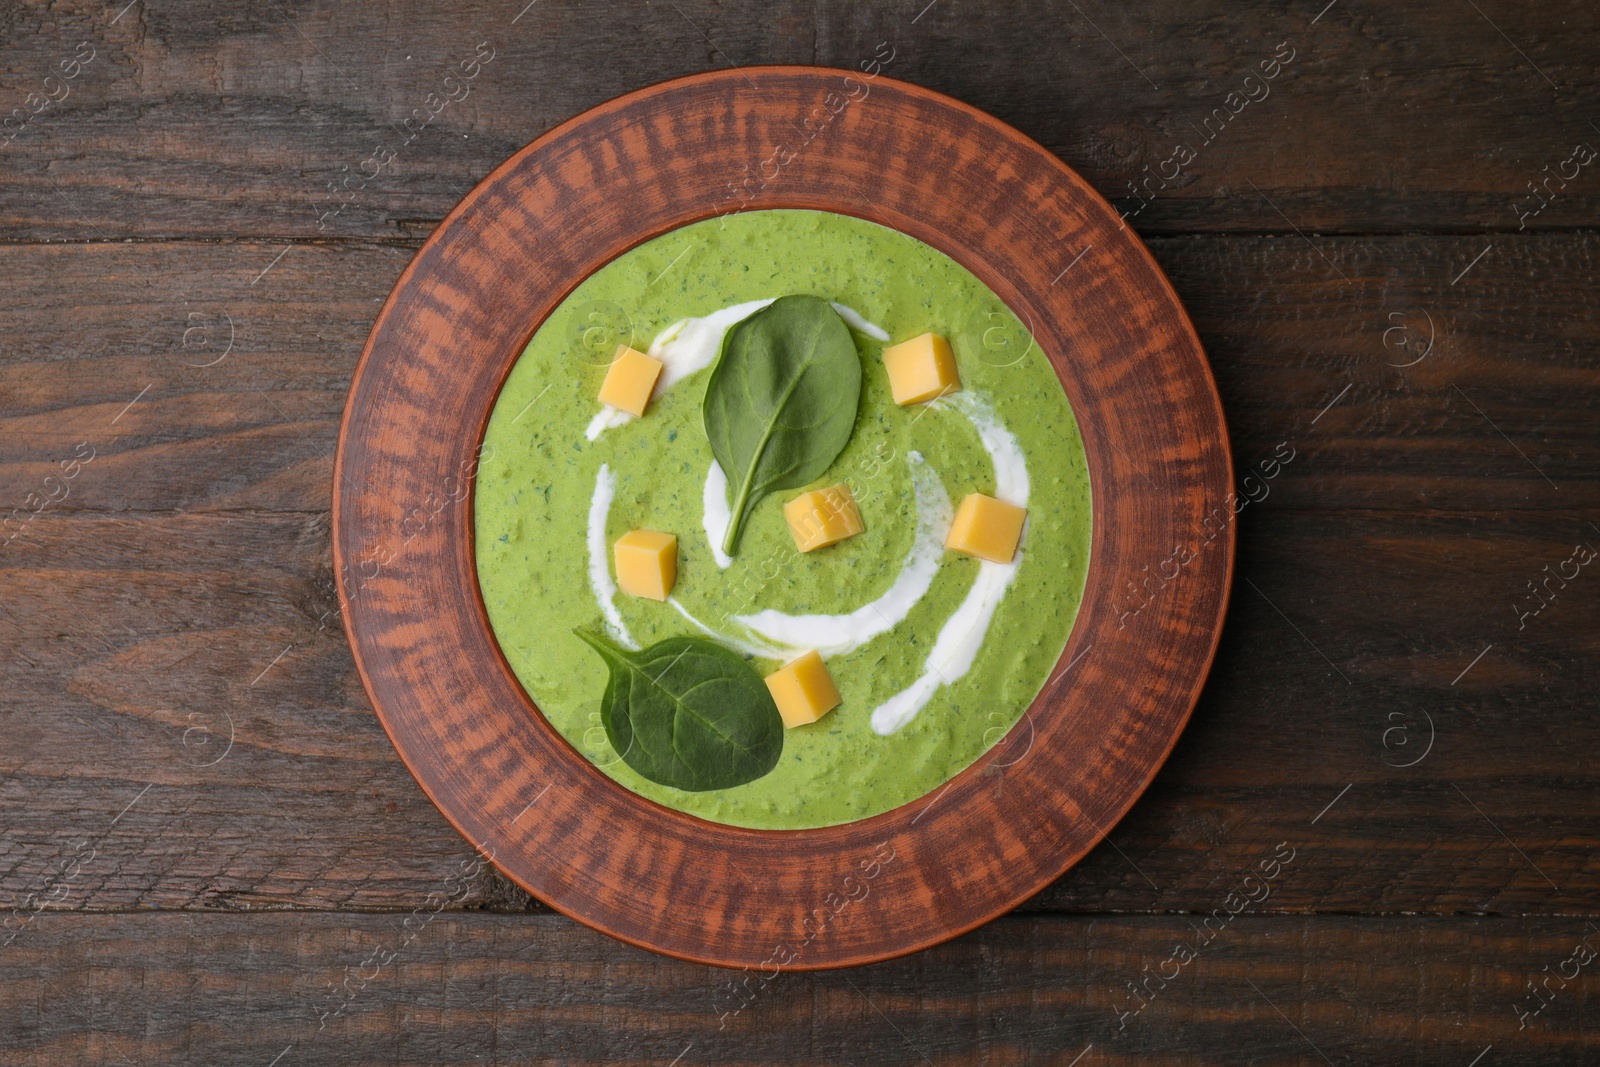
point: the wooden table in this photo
(209, 850)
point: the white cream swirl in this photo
(605, 590)
(833, 635)
(691, 345)
(963, 633)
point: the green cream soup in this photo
(935, 654)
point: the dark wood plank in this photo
(352, 989)
(1504, 399)
(140, 613)
(192, 551)
(1384, 120)
(209, 119)
(202, 376)
(136, 646)
(1345, 666)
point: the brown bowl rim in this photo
(729, 943)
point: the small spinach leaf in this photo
(688, 713)
(781, 401)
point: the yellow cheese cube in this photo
(986, 528)
(647, 563)
(823, 517)
(629, 381)
(803, 690)
(921, 369)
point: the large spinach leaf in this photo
(688, 713)
(781, 401)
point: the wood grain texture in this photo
(195, 548)
(133, 665)
(1130, 364)
(211, 118)
(451, 988)
(1283, 332)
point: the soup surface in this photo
(935, 654)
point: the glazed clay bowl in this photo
(1099, 309)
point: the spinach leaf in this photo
(781, 401)
(688, 713)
